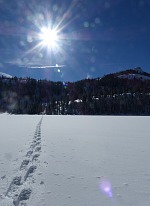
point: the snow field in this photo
(74, 160)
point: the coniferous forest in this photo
(109, 95)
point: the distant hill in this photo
(136, 73)
(122, 93)
(5, 75)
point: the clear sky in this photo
(94, 37)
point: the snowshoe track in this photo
(20, 187)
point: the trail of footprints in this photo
(20, 187)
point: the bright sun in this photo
(49, 37)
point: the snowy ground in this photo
(74, 160)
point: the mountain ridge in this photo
(130, 74)
(2, 74)
(133, 73)
(110, 95)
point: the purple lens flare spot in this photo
(105, 187)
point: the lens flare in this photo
(48, 36)
(105, 187)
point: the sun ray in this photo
(39, 45)
(66, 14)
(49, 35)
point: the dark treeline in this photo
(109, 95)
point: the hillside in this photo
(2, 74)
(113, 94)
(136, 73)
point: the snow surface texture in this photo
(132, 76)
(74, 161)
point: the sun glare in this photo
(49, 37)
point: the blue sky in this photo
(95, 37)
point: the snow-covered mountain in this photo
(136, 73)
(2, 74)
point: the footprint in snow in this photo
(29, 153)
(30, 171)
(24, 164)
(35, 157)
(24, 195)
(38, 149)
(34, 152)
(3, 177)
(15, 182)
